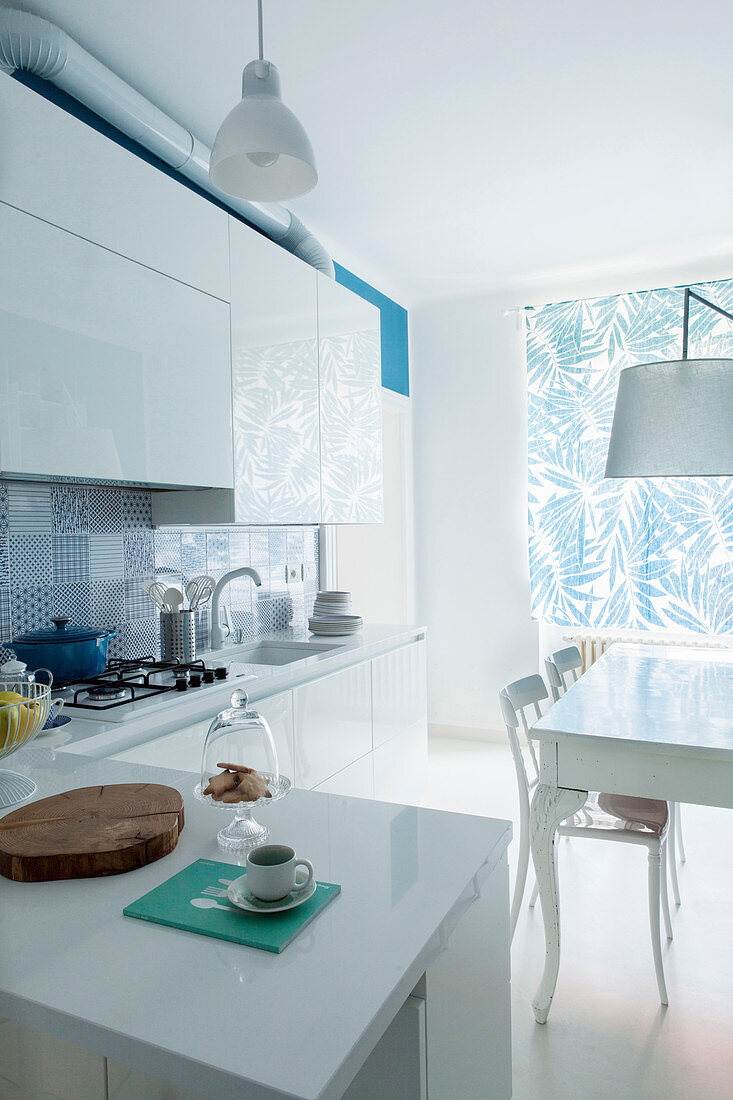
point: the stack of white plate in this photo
(331, 615)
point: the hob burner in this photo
(106, 693)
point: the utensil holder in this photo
(178, 635)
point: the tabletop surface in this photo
(286, 1022)
(677, 698)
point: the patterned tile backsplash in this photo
(90, 552)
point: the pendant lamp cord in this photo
(259, 29)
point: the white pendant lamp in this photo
(261, 151)
(674, 419)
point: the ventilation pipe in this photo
(40, 47)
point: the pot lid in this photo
(62, 631)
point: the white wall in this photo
(469, 425)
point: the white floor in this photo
(608, 1036)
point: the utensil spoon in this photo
(173, 599)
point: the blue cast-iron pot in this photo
(70, 652)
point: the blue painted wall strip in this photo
(395, 363)
(395, 356)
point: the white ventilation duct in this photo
(40, 47)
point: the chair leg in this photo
(678, 831)
(655, 859)
(671, 847)
(536, 891)
(522, 864)
(665, 898)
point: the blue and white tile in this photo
(167, 549)
(137, 511)
(5, 624)
(138, 552)
(264, 616)
(142, 638)
(108, 602)
(282, 612)
(70, 558)
(217, 551)
(30, 607)
(30, 559)
(29, 504)
(4, 560)
(106, 558)
(193, 553)
(277, 540)
(238, 548)
(202, 623)
(69, 509)
(259, 549)
(4, 508)
(105, 510)
(138, 604)
(74, 600)
(118, 642)
(244, 620)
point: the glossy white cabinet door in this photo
(333, 724)
(182, 750)
(399, 693)
(274, 382)
(34, 1066)
(63, 171)
(356, 781)
(351, 406)
(107, 370)
(401, 768)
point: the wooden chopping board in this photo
(90, 831)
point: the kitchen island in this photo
(400, 986)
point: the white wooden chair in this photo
(569, 662)
(604, 817)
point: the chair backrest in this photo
(559, 665)
(516, 699)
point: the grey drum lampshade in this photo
(673, 419)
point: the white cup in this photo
(271, 872)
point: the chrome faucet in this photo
(218, 631)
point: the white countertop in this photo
(672, 699)
(229, 1020)
(106, 733)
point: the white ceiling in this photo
(470, 143)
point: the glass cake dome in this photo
(239, 771)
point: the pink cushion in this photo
(650, 812)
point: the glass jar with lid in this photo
(239, 771)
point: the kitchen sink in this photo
(276, 653)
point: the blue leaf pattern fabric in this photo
(631, 553)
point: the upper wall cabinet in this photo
(58, 168)
(274, 383)
(351, 406)
(108, 370)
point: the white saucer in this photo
(239, 895)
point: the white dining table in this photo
(646, 720)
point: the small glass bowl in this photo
(239, 740)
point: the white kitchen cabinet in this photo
(108, 370)
(400, 768)
(333, 724)
(350, 406)
(34, 1066)
(182, 750)
(356, 781)
(274, 382)
(63, 171)
(399, 692)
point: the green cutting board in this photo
(170, 904)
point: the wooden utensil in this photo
(90, 831)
